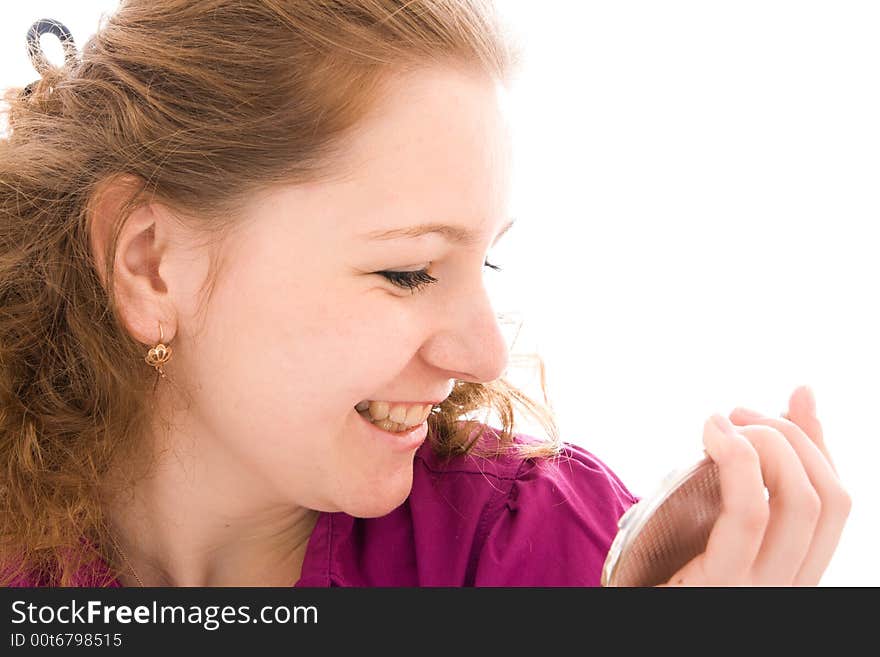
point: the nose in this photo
(469, 343)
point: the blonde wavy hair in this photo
(197, 104)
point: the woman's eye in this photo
(412, 280)
(416, 280)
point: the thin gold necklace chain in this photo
(127, 562)
(130, 567)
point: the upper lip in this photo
(416, 401)
(407, 402)
(433, 402)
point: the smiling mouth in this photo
(395, 417)
(387, 424)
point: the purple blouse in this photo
(471, 521)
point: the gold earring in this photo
(160, 354)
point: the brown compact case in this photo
(661, 533)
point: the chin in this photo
(382, 497)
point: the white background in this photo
(697, 195)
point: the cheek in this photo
(305, 344)
(372, 335)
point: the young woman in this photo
(244, 329)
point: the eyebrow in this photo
(452, 233)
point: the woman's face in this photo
(300, 327)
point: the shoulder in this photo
(538, 521)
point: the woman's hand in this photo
(789, 538)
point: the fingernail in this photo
(810, 400)
(716, 434)
(713, 437)
(746, 413)
(724, 425)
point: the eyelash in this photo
(415, 280)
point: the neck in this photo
(198, 523)
(246, 562)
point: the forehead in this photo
(457, 234)
(434, 149)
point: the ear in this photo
(141, 295)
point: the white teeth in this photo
(414, 416)
(398, 414)
(397, 417)
(379, 410)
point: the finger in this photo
(802, 411)
(737, 535)
(835, 501)
(810, 453)
(794, 508)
